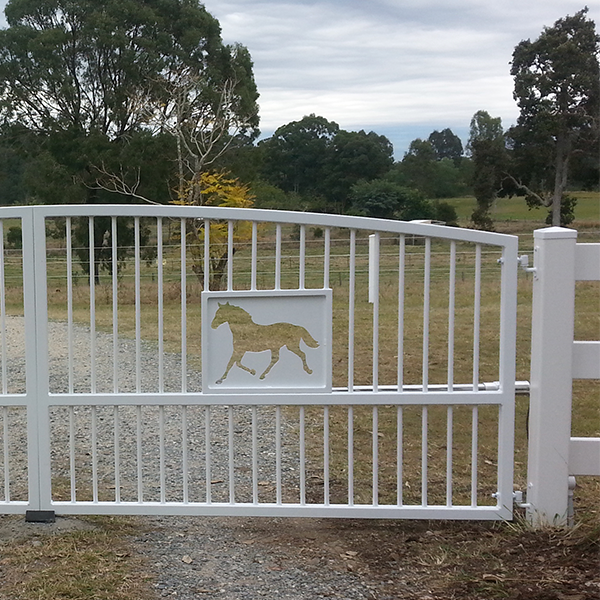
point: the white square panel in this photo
(266, 341)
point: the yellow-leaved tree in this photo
(215, 189)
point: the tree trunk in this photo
(560, 177)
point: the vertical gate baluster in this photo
(350, 456)
(117, 435)
(92, 305)
(474, 462)
(327, 257)
(115, 304)
(254, 256)
(183, 285)
(302, 457)
(184, 454)
(207, 454)
(351, 297)
(424, 459)
(375, 456)
(401, 292)
(278, 257)
(326, 455)
(161, 349)
(69, 302)
(254, 456)
(449, 442)
(231, 456)
(477, 318)
(426, 298)
(399, 456)
(278, 454)
(138, 308)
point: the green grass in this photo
(516, 209)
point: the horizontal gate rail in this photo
(128, 406)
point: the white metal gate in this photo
(104, 410)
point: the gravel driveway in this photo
(228, 558)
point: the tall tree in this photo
(115, 92)
(295, 155)
(489, 160)
(446, 145)
(92, 74)
(354, 156)
(557, 88)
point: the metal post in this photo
(551, 376)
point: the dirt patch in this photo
(14, 528)
(442, 560)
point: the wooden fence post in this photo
(551, 376)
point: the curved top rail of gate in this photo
(405, 307)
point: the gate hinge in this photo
(523, 261)
(518, 500)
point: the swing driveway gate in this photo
(210, 361)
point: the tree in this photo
(294, 156)
(489, 160)
(87, 76)
(387, 200)
(422, 169)
(111, 94)
(317, 160)
(354, 156)
(446, 145)
(215, 189)
(557, 88)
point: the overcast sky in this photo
(401, 68)
(398, 67)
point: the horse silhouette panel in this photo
(249, 336)
(275, 341)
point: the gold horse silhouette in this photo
(249, 336)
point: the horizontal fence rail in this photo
(402, 405)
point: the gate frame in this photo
(39, 400)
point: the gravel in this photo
(189, 557)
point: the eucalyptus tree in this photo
(557, 88)
(487, 147)
(121, 95)
(87, 76)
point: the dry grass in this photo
(95, 563)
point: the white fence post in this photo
(551, 376)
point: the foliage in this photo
(490, 162)
(557, 88)
(215, 189)
(295, 154)
(446, 145)
(484, 127)
(317, 160)
(423, 169)
(387, 200)
(90, 82)
(354, 156)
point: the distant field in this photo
(516, 209)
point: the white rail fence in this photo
(105, 410)
(556, 359)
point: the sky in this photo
(401, 68)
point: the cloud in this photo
(387, 62)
